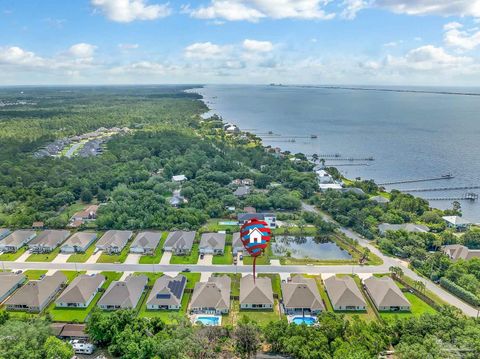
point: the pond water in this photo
(307, 247)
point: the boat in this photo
(447, 175)
(313, 136)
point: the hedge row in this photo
(460, 292)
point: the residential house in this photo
(256, 294)
(38, 225)
(230, 127)
(177, 199)
(357, 191)
(237, 245)
(179, 178)
(344, 293)
(16, 240)
(179, 242)
(79, 242)
(324, 177)
(36, 294)
(81, 291)
(457, 251)
(146, 243)
(114, 241)
(212, 297)
(88, 214)
(249, 210)
(47, 241)
(123, 294)
(269, 218)
(456, 222)
(301, 296)
(4, 232)
(380, 199)
(333, 186)
(167, 293)
(9, 282)
(242, 191)
(407, 227)
(212, 243)
(385, 294)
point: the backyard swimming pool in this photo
(208, 320)
(303, 320)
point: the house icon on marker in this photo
(255, 236)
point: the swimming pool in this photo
(209, 320)
(304, 320)
(228, 223)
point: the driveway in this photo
(94, 257)
(133, 258)
(166, 258)
(23, 257)
(207, 259)
(61, 258)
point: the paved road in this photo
(390, 261)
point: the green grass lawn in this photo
(13, 256)
(155, 259)
(82, 257)
(79, 315)
(418, 308)
(427, 292)
(115, 258)
(71, 210)
(71, 274)
(213, 225)
(226, 258)
(263, 259)
(44, 257)
(262, 317)
(192, 258)
(34, 274)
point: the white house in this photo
(179, 178)
(323, 176)
(269, 218)
(459, 223)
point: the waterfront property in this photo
(9, 282)
(146, 243)
(36, 294)
(16, 240)
(212, 243)
(457, 223)
(81, 291)
(407, 227)
(167, 293)
(256, 294)
(47, 241)
(333, 186)
(457, 251)
(237, 245)
(344, 293)
(78, 242)
(301, 296)
(269, 218)
(385, 294)
(179, 242)
(323, 176)
(123, 294)
(211, 297)
(113, 242)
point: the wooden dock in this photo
(446, 177)
(465, 197)
(440, 189)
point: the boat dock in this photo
(444, 177)
(465, 197)
(440, 189)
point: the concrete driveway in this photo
(23, 257)
(133, 258)
(94, 257)
(61, 258)
(207, 259)
(166, 258)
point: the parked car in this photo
(186, 270)
(202, 255)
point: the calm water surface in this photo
(307, 247)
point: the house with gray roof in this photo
(385, 294)
(16, 240)
(47, 241)
(256, 294)
(457, 251)
(4, 232)
(114, 241)
(167, 293)
(237, 245)
(145, 243)
(212, 243)
(344, 293)
(242, 191)
(36, 295)
(179, 242)
(123, 294)
(9, 282)
(380, 199)
(457, 222)
(79, 242)
(212, 297)
(301, 295)
(269, 218)
(407, 227)
(81, 291)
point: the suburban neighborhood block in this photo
(114, 241)
(256, 294)
(16, 240)
(301, 296)
(212, 243)
(123, 294)
(212, 297)
(79, 242)
(37, 294)
(145, 242)
(81, 291)
(47, 241)
(167, 293)
(344, 293)
(179, 242)
(9, 282)
(385, 294)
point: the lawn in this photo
(192, 258)
(71, 274)
(262, 317)
(80, 314)
(115, 258)
(12, 256)
(427, 292)
(70, 211)
(213, 225)
(155, 259)
(83, 257)
(34, 274)
(226, 258)
(418, 307)
(263, 259)
(44, 257)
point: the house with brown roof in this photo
(145, 243)
(212, 297)
(114, 241)
(16, 240)
(47, 240)
(301, 296)
(123, 294)
(385, 294)
(81, 291)
(179, 242)
(79, 242)
(344, 293)
(9, 282)
(36, 295)
(256, 294)
(167, 293)
(212, 243)
(457, 251)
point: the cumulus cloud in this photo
(257, 46)
(460, 39)
(82, 50)
(131, 10)
(128, 46)
(15, 55)
(205, 50)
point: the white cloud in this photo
(82, 50)
(205, 50)
(141, 67)
(352, 7)
(461, 39)
(431, 7)
(257, 46)
(392, 43)
(131, 10)
(17, 56)
(230, 10)
(452, 25)
(128, 46)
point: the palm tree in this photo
(315, 158)
(365, 255)
(396, 271)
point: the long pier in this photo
(418, 180)
(349, 164)
(465, 197)
(440, 189)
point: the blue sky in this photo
(404, 42)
